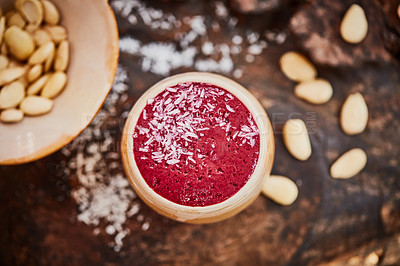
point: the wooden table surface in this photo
(333, 222)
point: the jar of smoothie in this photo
(197, 147)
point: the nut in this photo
(34, 73)
(296, 67)
(62, 57)
(12, 94)
(19, 42)
(3, 61)
(54, 85)
(31, 28)
(354, 114)
(57, 33)
(16, 19)
(10, 74)
(349, 164)
(296, 139)
(3, 49)
(32, 10)
(38, 85)
(51, 14)
(41, 37)
(11, 115)
(36, 105)
(280, 189)
(42, 53)
(49, 61)
(354, 27)
(317, 91)
(2, 28)
(398, 11)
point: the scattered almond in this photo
(11, 115)
(12, 94)
(349, 164)
(354, 114)
(51, 14)
(371, 259)
(354, 27)
(296, 67)
(398, 11)
(296, 139)
(280, 189)
(10, 74)
(317, 91)
(35, 105)
(19, 42)
(54, 85)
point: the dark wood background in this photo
(332, 222)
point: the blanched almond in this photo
(41, 37)
(35, 105)
(398, 11)
(31, 28)
(3, 61)
(32, 10)
(296, 67)
(51, 14)
(280, 189)
(16, 19)
(19, 42)
(49, 61)
(42, 53)
(34, 73)
(3, 49)
(349, 164)
(354, 25)
(354, 114)
(11, 115)
(38, 85)
(296, 139)
(10, 74)
(54, 85)
(57, 33)
(11, 95)
(62, 57)
(317, 91)
(2, 28)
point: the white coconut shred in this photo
(103, 195)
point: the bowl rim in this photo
(218, 211)
(63, 139)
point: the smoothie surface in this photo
(196, 144)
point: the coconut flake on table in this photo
(103, 194)
(191, 46)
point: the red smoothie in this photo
(196, 144)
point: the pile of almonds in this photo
(353, 116)
(34, 55)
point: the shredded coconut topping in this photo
(171, 130)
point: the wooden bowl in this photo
(94, 51)
(210, 213)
